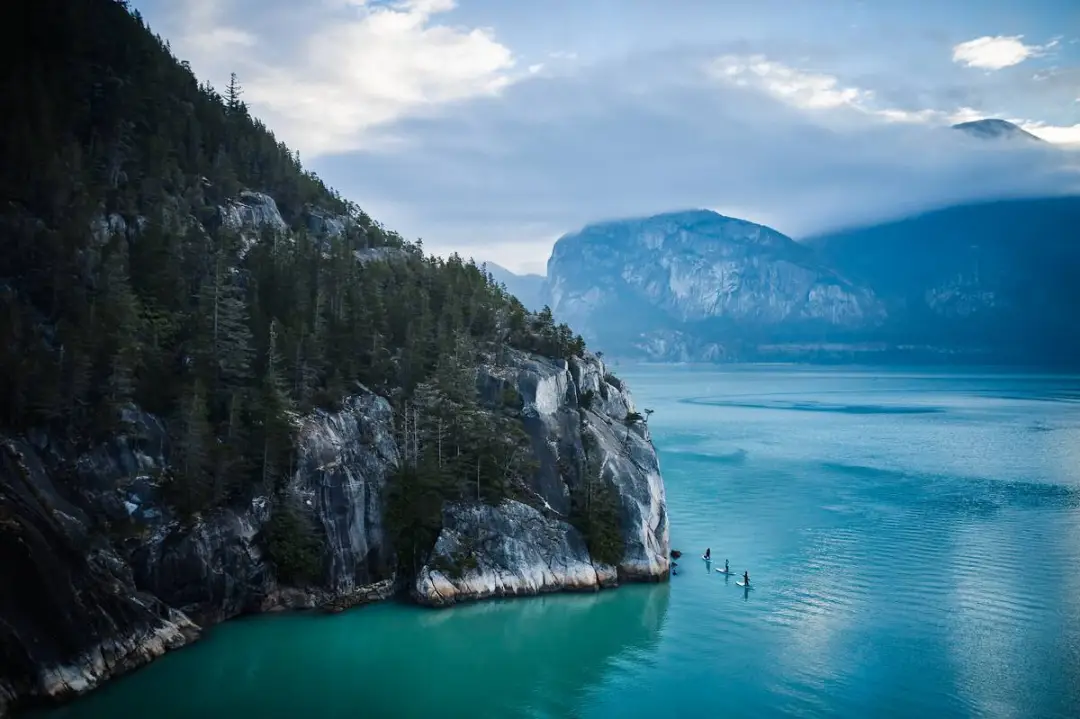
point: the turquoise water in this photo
(913, 539)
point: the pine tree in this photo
(226, 336)
(120, 317)
(191, 450)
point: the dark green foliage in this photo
(293, 545)
(539, 333)
(122, 284)
(511, 398)
(413, 514)
(456, 565)
(454, 449)
(595, 512)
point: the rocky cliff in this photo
(987, 282)
(630, 284)
(101, 576)
(531, 546)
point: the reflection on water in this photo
(490, 659)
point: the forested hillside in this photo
(124, 281)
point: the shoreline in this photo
(192, 632)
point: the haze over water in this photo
(913, 538)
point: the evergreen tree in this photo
(122, 283)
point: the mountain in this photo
(983, 282)
(224, 389)
(992, 278)
(995, 129)
(529, 289)
(697, 284)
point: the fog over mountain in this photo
(502, 130)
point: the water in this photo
(913, 539)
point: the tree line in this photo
(122, 285)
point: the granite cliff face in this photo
(101, 577)
(529, 548)
(981, 282)
(104, 578)
(630, 284)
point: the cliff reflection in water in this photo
(490, 659)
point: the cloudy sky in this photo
(491, 127)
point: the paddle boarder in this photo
(708, 554)
(746, 578)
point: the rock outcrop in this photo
(100, 577)
(344, 461)
(518, 548)
(252, 212)
(71, 616)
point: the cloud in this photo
(434, 125)
(358, 69)
(1062, 135)
(811, 90)
(995, 53)
(650, 133)
(203, 32)
(802, 89)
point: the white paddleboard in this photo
(740, 584)
(723, 571)
(707, 559)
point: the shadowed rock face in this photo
(345, 459)
(101, 578)
(80, 604)
(522, 549)
(70, 617)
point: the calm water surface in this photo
(913, 538)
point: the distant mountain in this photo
(987, 282)
(699, 285)
(995, 277)
(995, 129)
(529, 289)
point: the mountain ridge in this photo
(528, 287)
(995, 128)
(967, 311)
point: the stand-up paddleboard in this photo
(725, 571)
(740, 584)
(707, 559)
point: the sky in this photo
(492, 127)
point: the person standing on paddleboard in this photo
(708, 553)
(746, 578)
(726, 569)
